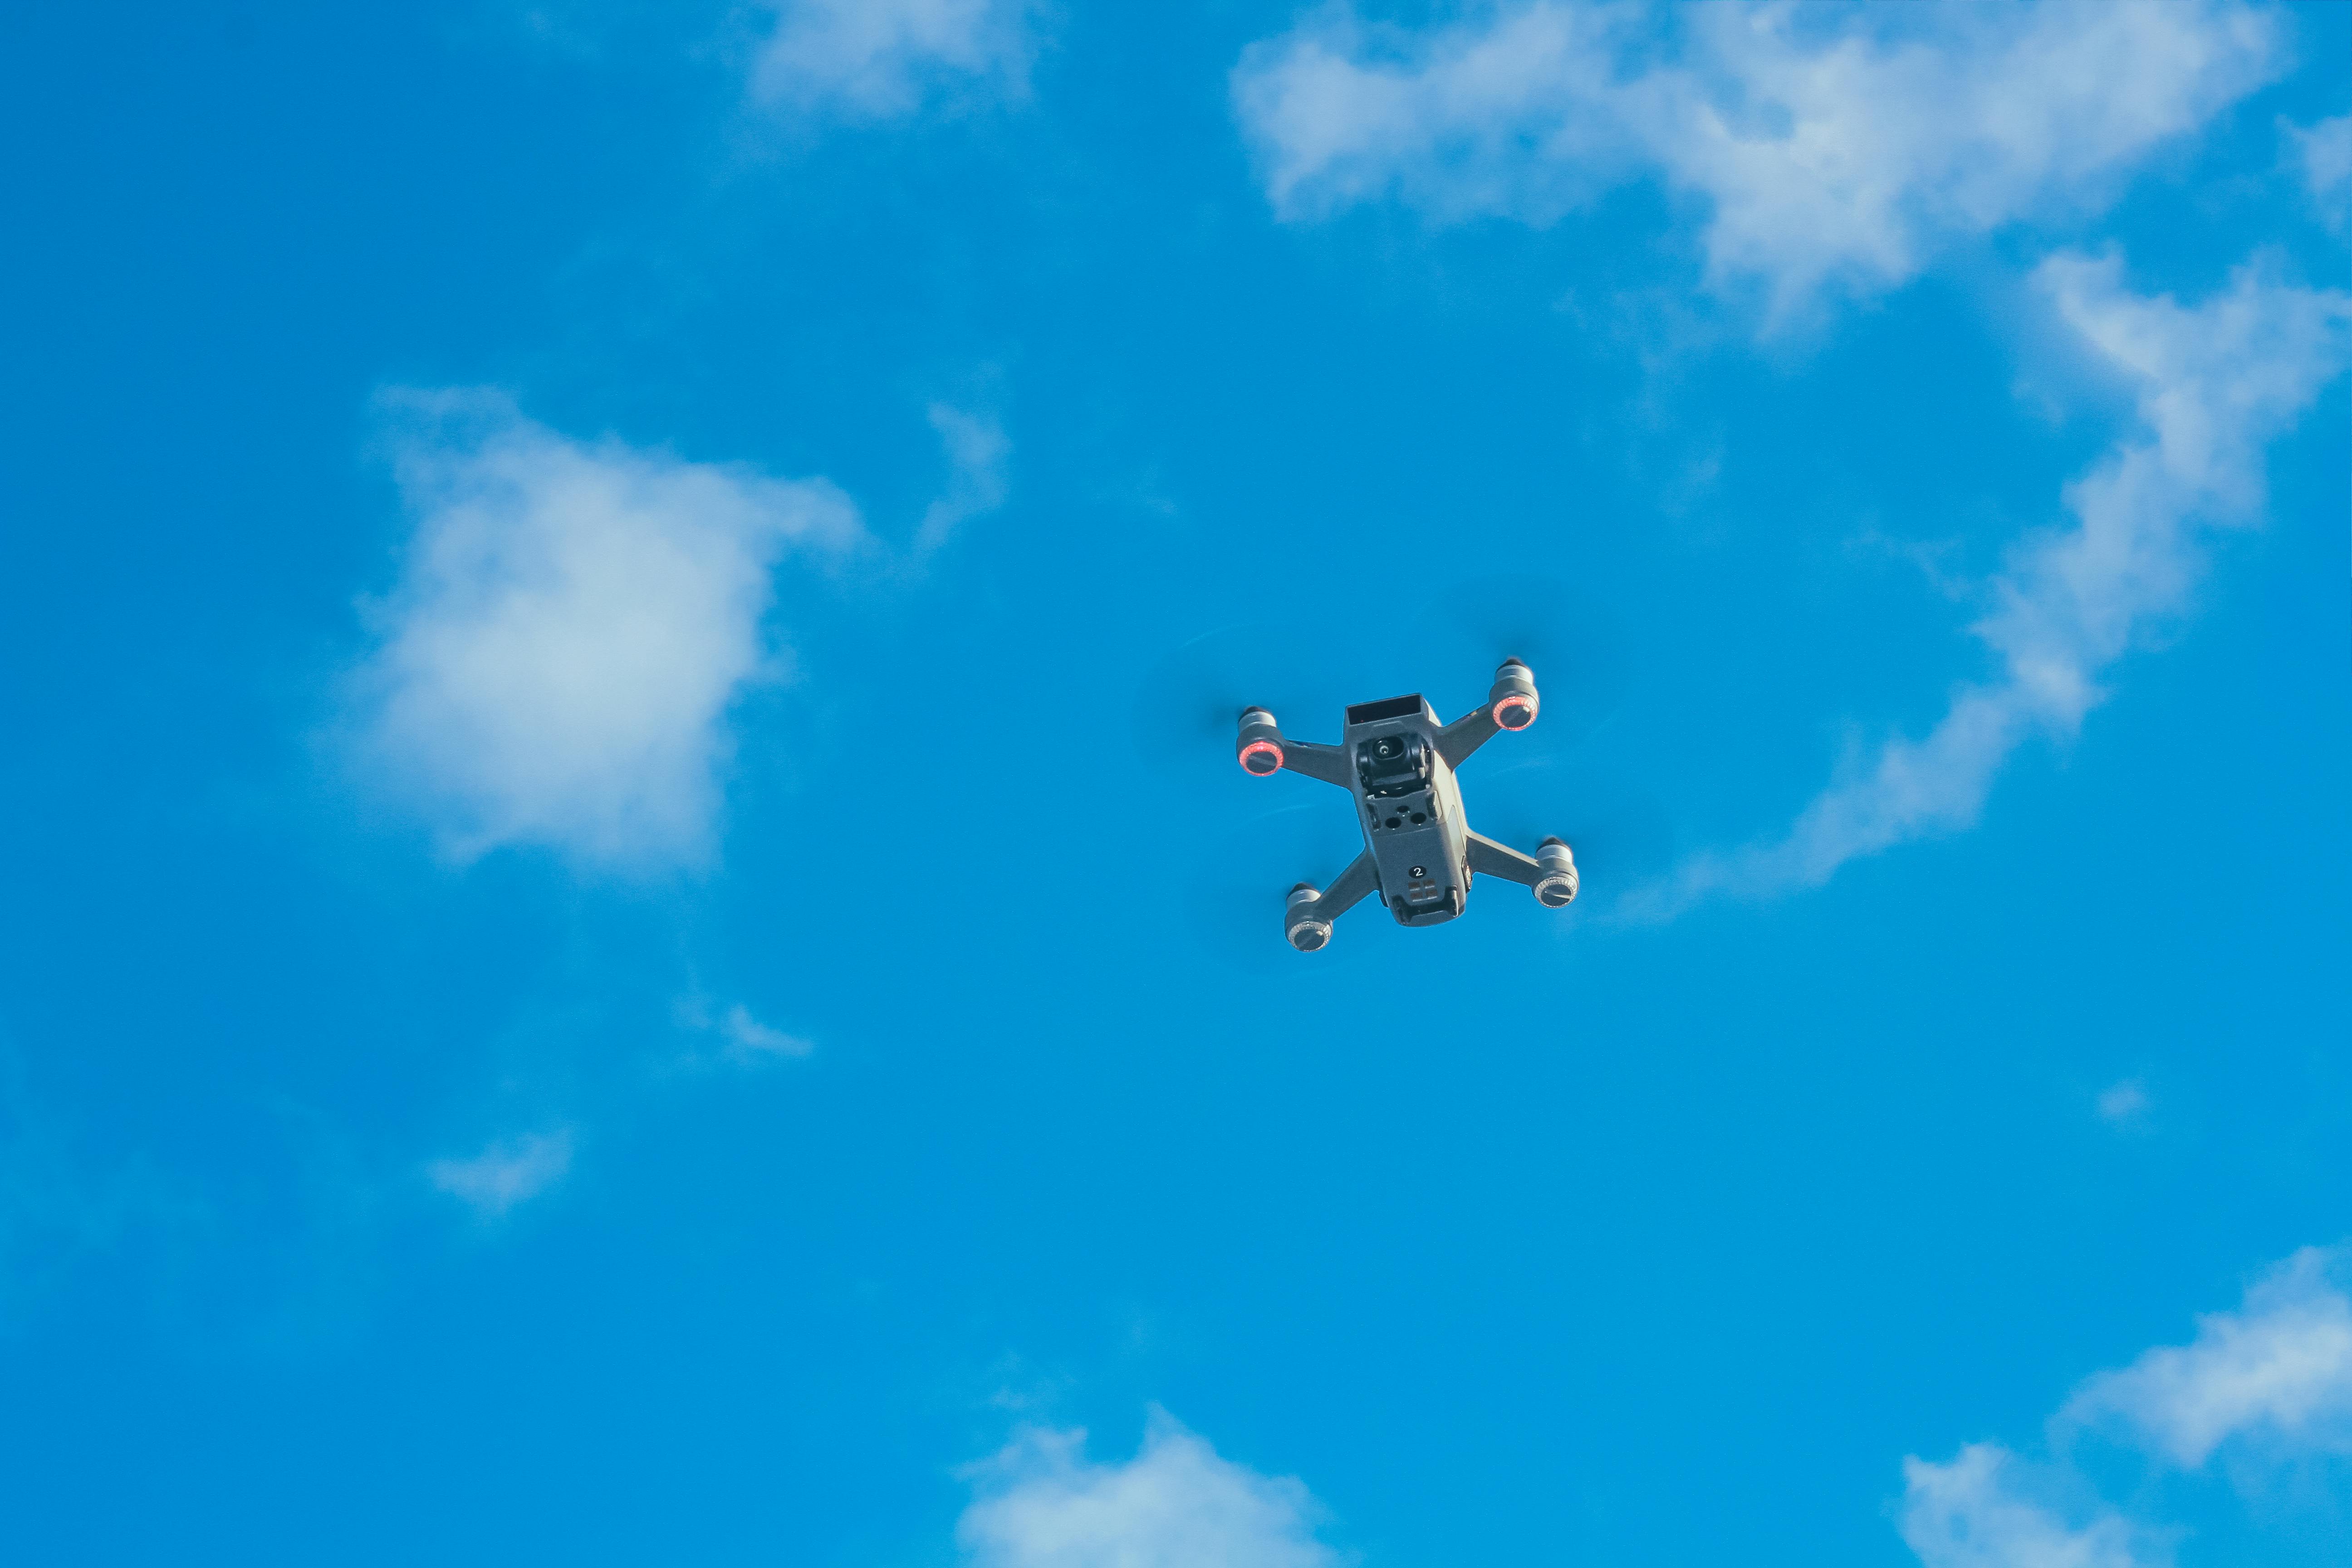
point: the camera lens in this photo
(1390, 746)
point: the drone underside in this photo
(1399, 762)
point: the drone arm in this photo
(1466, 735)
(1329, 763)
(1550, 870)
(1263, 751)
(1348, 889)
(1488, 858)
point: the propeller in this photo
(1555, 778)
(1620, 833)
(1252, 838)
(1189, 704)
(1237, 875)
(1572, 641)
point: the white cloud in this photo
(876, 59)
(977, 453)
(1976, 1512)
(743, 1038)
(508, 1172)
(1040, 1504)
(2213, 384)
(2276, 1376)
(2123, 1102)
(572, 624)
(1833, 149)
(2324, 153)
(749, 1038)
(2277, 1370)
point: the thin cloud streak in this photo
(747, 1039)
(743, 1039)
(509, 1171)
(2214, 384)
(977, 453)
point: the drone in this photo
(1399, 763)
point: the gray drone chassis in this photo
(1399, 763)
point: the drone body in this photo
(1399, 763)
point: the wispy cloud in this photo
(1980, 1510)
(509, 1171)
(572, 621)
(2214, 384)
(2274, 1377)
(749, 1037)
(743, 1038)
(1039, 1503)
(1833, 150)
(977, 453)
(59, 1205)
(2278, 1371)
(2123, 1103)
(880, 59)
(2322, 155)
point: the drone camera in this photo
(1392, 765)
(1513, 700)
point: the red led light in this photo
(1515, 711)
(1262, 757)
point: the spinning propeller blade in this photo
(1236, 877)
(1188, 706)
(1620, 834)
(1573, 644)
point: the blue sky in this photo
(632, 936)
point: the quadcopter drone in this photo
(1419, 852)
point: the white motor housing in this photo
(1258, 747)
(1512, 699)
(1302, 920)
(1557, 890)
